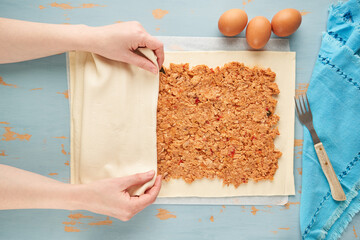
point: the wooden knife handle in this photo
(336, 190)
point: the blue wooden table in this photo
(34, 123)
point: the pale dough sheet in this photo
(113, 121)
(283, 64)
(113, 118)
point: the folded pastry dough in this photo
(113, 118)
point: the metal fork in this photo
(305, 116)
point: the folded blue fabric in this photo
(334, 96)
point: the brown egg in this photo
(286, 22)
(232, 22)
(258, 32)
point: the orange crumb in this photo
(41, 7)
(89, 5)
(301, 88)
(67, 163)
(6, 84)
(157, 29)
(78, 216)
(285, 228)
(63, 137)
(199, 219)
(35, 89)
(354, 231)
(274, 232)
(164, 214)
(4, 123)
(298, 142)
(72, 222)
(10, 135)
(159, 13)
(66, 6)
(105, 222)
(303, 12)
(254, 210)
(287, 205)
(63, 150)
(62, 5)
(71, 229)
(66, 93)
(2, 153)
(298, 154)
(212, 218)
(53, 174)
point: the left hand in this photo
(119, 41)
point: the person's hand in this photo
(110, 196)
(119, 41)
(22, 40)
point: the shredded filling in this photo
(217, 123)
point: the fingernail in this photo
(150, 173)
(154, 71)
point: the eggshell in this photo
(258, 32)
(286, 22)
(232, 22)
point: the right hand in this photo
(110, 196)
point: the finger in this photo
(157, 46)
(142, 62)
(160, 56)
(150, 195)
(136, 179)
(158, 178)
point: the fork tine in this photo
(297, 107)
(303, 104)
(307, 101)
(300, 105)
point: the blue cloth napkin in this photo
(334, 96)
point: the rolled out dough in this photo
(113, 118)
(113, 121)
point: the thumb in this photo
(142, 62)
(136, 179)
